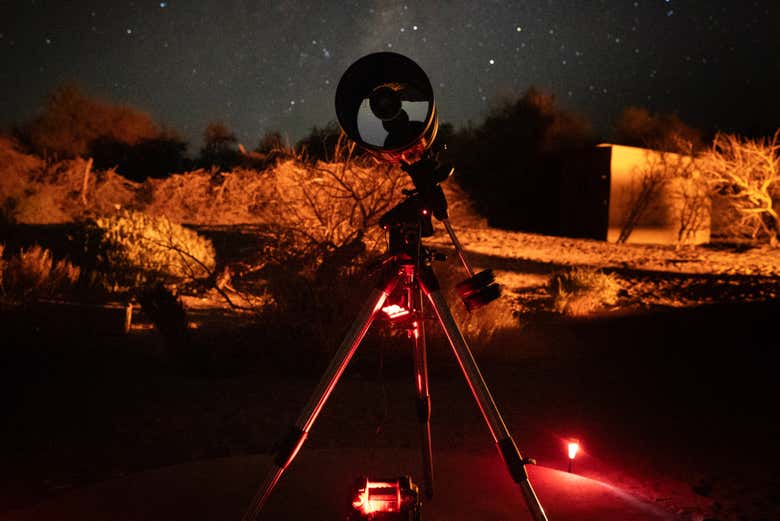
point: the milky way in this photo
(259, 66)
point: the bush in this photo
(33, 274)
(17, 169)
(579, 291)
(134, 249)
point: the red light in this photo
(395, 311)
(425, 211)
(389, 499)
(378, 496)
(573, 448)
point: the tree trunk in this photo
(85, 183)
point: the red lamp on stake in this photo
(574, 447)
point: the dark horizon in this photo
(260, 68)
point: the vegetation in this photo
(33, 274)
(511, 164)
(315, 208)
(638, 127)
(134, 249)
(220, 147)
(321, 144)
(74, 125)
(746, 173)
(71, 122)
(580, 291)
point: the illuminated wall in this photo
(629, 168)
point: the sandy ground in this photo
(715, 259)
(469, 487)
(671, 391)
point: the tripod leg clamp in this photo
(514, 462)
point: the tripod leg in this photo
(504, 442)
(423, 394)
(297, 436)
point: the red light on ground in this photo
(378, 496)
(387, 499)
(573, 448)
(395, 311)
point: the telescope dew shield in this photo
(384, 102)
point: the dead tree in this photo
(747, 173)
(691, 193)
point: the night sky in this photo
(260, 66)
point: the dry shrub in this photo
(208, 197)
(330, 205)
(133, 248)
(107, 191)
(35, 192)
(326, 201)
(580, 291)
(16, 171)
(34, 274)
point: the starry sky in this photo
(261, 65)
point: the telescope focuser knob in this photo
(479, 290)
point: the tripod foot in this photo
(504, 442)
(290, 446)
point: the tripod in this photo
(407, 271)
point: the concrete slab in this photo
(469, 487)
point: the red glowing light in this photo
(425, 211)
(395, 311)
(378, 496)
(573, 448)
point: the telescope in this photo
(384, 102)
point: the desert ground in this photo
(670, 390)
